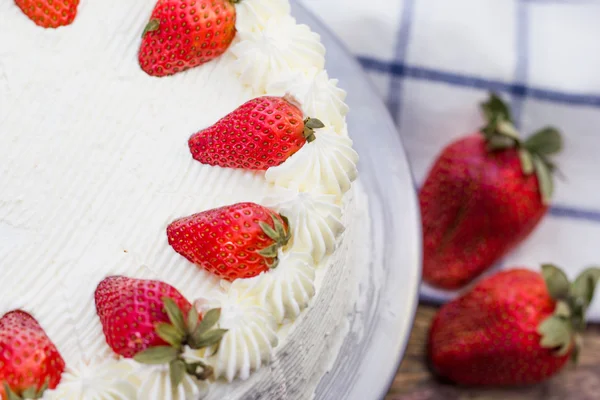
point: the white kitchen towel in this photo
(434, 61)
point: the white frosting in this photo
(315, 220)
(250, 339)
(325, 165)
(154, 383)
(318, 95)
(97, 380)
(286, 290)
(281, 46)
(252, 15)
(92, 195)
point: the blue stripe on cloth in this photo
(522, 65)
(427, 74)
(395, 89)
(575, 213)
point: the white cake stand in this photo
(367, 363)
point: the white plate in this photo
(367, 363)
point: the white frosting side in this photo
(252, 15)
(318, 95)
(250, 339)
(97, 380)
(286, 290)
(315, 220)
(326, 165)
(283, 45)
(153, 382)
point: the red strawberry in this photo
(232, 242)
(262, 133)
(183, 34)
(514, 328)
(29, 361)
(484, 194)
(152, 322)
(49, 13)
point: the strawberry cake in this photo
(178, 212)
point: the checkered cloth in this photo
(434, 61)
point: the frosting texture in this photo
(281, 46)
(98, 380)
(326, 165)
(252, 15)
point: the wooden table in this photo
(414, 382)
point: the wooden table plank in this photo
(414, 382)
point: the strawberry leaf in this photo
(192, 319)
(495, 107)
(270, 232)
(557, 334)
(314, 123)
(585, 285)
(556, 281)
(176, 372)
(169, 334)
(40, 392)
(9, 393)
(544, 176)
(526, 161)
(507, 129)
(175, 314)
(152, 26)
(157, 355)
(29, 393)
(209, 320)
(210, 338)
(498, 142)
(546, 141)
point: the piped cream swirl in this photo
(286, 290)
(153, 382)
(315, 220)
(326, 165)
(283, 45)
(250, 339)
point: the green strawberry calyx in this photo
(152, 26)
(183, 331)
(562, 330)
(534, 152)
(280, 234)
(31, 393)
(310, 124)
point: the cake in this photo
(97, 164)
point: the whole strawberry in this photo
(151, 322)
(484, 194)
(514, 328)
(183, 34)
(232, 242)
(29, 361)
(260, 134)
